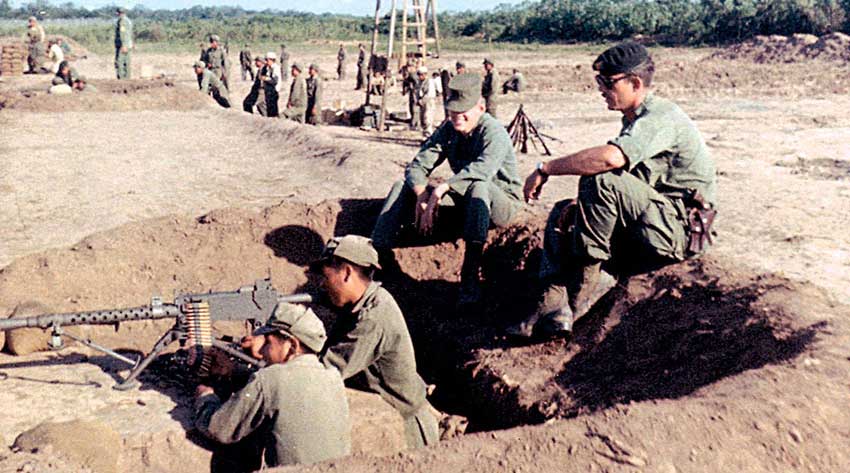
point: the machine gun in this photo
(194, 314)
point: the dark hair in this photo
(645, 71)
(364, 272)
(284, 336)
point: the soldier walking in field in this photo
(489, 85)
(340, 62)
(361, 67)
(245, 63)
(36, 51)
(314, 95)
(215, 59)
(123, 44)
(296, 106)
(645, 198)
(284, 63)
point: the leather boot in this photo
(588, 285)
(552, 305)
(470, 285)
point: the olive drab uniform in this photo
(296, 106)
(361, 69)
(373, 340)
(637, 216)
(284, 64)
(36, 51)
(488, 91)
(210, 84)
(340, 64)
(299, 408)
(267, 89)
(485, 182)
(216, 61)
(123, 46)
(314, 100)
(246, 64)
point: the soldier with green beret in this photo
(488, 86)
(370, 337)
(485, 186)
(296, 106)
(314, 95)
(636, 196)
(295, 406)
(123, 44)
(211, 85)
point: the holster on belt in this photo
(700, 219)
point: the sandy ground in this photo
(778, 134)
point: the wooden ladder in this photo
(423, 11)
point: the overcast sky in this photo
(355, 7)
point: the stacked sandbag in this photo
(12, 59)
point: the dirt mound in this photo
(833, 47)
(111, 95)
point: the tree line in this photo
(665, 21)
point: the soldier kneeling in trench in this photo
(370, 337)
(645, 199)
(485, 185)
(296, 405)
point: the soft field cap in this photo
(620, 59)
(464, 92)
(300, 322)
(355, 249)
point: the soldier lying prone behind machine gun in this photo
(193, 314)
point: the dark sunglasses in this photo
(608, 82)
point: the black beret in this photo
(621, 58)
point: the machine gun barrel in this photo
(95, 317)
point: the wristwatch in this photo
(539, 169)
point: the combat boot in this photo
(552, 312)
(469, 296)
(588, 285)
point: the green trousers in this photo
(619, 219)
(122, 64)
(483, 203)
(421, 428)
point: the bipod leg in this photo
(537, 134)
(171, 336)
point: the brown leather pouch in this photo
(700, 219)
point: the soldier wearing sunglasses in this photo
(635, 197)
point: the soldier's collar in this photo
(367, 295)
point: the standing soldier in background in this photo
(35, 36)
(123, 44)
(361, 67)
(314, 96)
(296, 106)
(245, 63)
(340, 63)
(488, 87)
(209, 84)
(460, 68)
(266, 85)
(284, 63)
(215, 59)
(409, 86)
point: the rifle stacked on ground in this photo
(193, 314)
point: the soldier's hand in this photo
(123, 49)
(252, 345)
(203, 390)
(421, 207)
(533, 186)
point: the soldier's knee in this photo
(478, 190)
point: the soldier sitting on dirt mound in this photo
(485, 184)
(370, 336)
(210, 84)
(645, 198)
(298, 405)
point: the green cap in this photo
(214, 37)
(464, 92)
(121, 10)
(200, 64)
(315, 67)
(355, 249)
(297, 66)
(298, 321)
(459, 64)
(488, 61)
